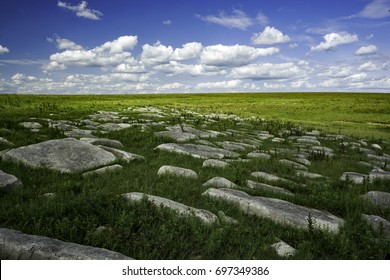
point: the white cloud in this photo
(237, 55)
(219, 85)
(376, 9)
(369, 67)
(188, 51)
(3, 50)
(269, 36)
(332, 40)
(337, 71)
(262, 18)
(238, 19)
(22, 78)
(156, 54)
(167, 22)
(267, 71)
(119, 45)
(371, 49)
(172, 86)
(81, 10)
(64, 44)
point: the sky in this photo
(184, 46)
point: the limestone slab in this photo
(197, 151)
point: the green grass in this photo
(143, 231)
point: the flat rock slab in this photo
(123, 155)
(255, 185)
(102, 170)
(9, 181)
(380, 175)
(177, 171)
(65, 155)
(103, 142)
(354, 177)
(182, 209)
(78, 133)
(214, 163)
(309, 175)
(381, 199)
(31, 125)
(278, 210)
(268, 177)
(197, 151)
(378, 224)
(235, 146)
(220, 182)
(258, 155)
(113, 126)
(16, 245)
(178, 136)
(283, 249)
(293, 164)
(308, 140)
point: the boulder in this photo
(8, 181)
(381, 199)
(65, 155)
(220, 182)
(177, 171)
(283, 249)
(182, 209)
(197, 151)
(278, 210)
(214, 163)
(16, 245)
(113, 126)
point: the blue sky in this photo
(144, 46)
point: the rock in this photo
(177, 171)
(278, 140)
(313, 133)
(16, 245)
(376, 147)
(197, 151)
(102, 170)
(267, 177)
(278, 210)
(219, 182)
(103, 142)
(49, 195)
(384, 158)
(8, 181)
(258, 155)
(354, 177)
(204, 215)
(62, 125)
(31, 125)
(65, 155)
(328, 152)
(122, 155)
(226, 219)
(113, 126)
(293, 164)
(378, 224)
(303, 161)
(309, 175)
(255, 185)
(5, 142)
(380, 175)
(214, 163)
(310, 140)
(234, 146)
(78, 133)
(178, 136)
(380, 199)
(284, 250)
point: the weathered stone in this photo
(49, 195)
(103, 142)
(103, 170)
(309, 175)
(220, 182)
(177, 171)
(310, 140)
(123, 155)
(16, 245)
(378, 224)
(62, 125)
(293, 164)
(280, 211)
(328, 152)
(113, 126)
(191, 130)
(77, 133)
(9, 181)
(283, 249)
(278, 140)
(380, 199)
(380, 175)
(234, 146)
(226, 219)
(384, 158)
(267, 177)
(197, 151)
(178, 136)
(214, 163)
(182, 209)
(31, 125)
(89, 123)
(65, 155)
(376, 147)
(258, 155)
(354, 177)
(303, 161)
(5, 142)
(255, 185)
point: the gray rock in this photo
(376, 147)
(380, 175)
(184, 128)
(178, 136)
(103, 142)
(328, 152)
(381, 199)
(255, 185)
(5, 142)
(177, 171)
(226, 219)
(182, 209)
(303, 161)
(267, 177)
(308, 174)
(278, 140)
(16, 245)
(113, 126)
(234, 146)
(309, 140)
(49, 195)
(9, 181)
(123, 155)
(354, 177)
(62, 125)
(220, 182)
(378, 224)
(102, 170)
(293, 164)
(78, 133)
(280, 211)
(258, 155)
(197, 151)
(283, 249)
(384, 158)
(31, 125)
(65, 155)
(214, 163)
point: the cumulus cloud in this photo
(64, 44)
(236, 55)
(369, 66)
(376, 9)
(3, 50)
(269, 36)
(219, 85)
(332, 40)
(19, 78)
(167, 22)
(188, 51)
(156, 54)
(194, 70)
(267, 71)
(238, 19)
(371, 49)
(81, 10)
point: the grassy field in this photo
(146, 232)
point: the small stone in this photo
(380, 199)
(197, 151)
(113, 126)
(103, 142)
(5, 142)
(77, 133)
(8, 181)
(376, 147)
(226, 219)
(284, 250)
(380, 175)
(177, 171)
(214, 163)
(278, 140)
(258, 155)
(31, 125)
(255, 185)
(102, 170)
(310, 140)
(178, 136)
(378, 224)
(293, 164)
(354, 177)
(267, 177)
(309, 175)
(220, 182)
(49, 195)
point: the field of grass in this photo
(143, 231)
